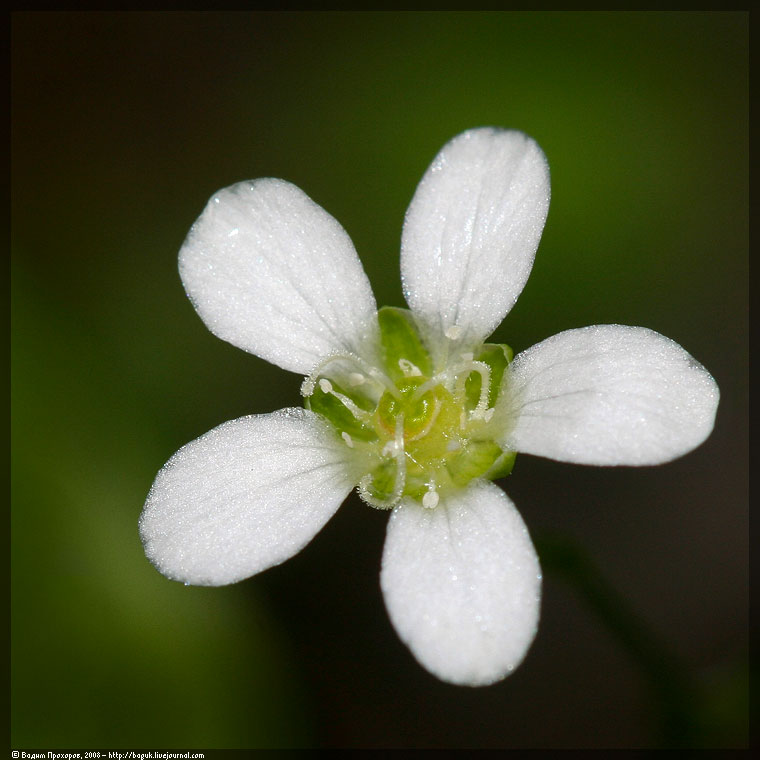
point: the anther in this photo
(453, 332)
(356, 378)
(409, 369)
(325, 385)
(430, 499)
(347, 438)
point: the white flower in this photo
(411, 406)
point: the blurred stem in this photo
(673, 690)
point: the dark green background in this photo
(123, 126)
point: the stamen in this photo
(463, 372)
(430, 423)
(397, 448)
(310, 382)
(359, 414)
(356, 378)
(347, 438)
(409, 369)
(444, 379)
(400, 434)
(430, 499)
(389, 450)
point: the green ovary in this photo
(420, 437)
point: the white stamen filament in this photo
(396, 447)
(359, 414)
(444, 379)
(430, 423)
(463, 372)
(310, 382)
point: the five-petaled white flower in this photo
(410, 405)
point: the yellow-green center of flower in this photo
(418, 433)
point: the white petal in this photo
(273, 273)
(608, 395)
(471, 231)
(247, 495)
(462, 584)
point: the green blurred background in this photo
(123, 125)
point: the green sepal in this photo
(497, 356)
(473, 461)
(336, 412)
(400, 340)
(383, 482)
(416, 485)
(502, 466)
(417, 413)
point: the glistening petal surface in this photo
(608, 395)
(247, 495)
(273, 273)
(462, 584)
(472, 229)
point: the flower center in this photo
(419, 433)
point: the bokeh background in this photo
(123, 125)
